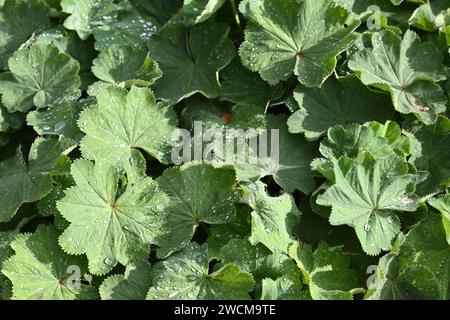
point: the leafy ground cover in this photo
(93, 205)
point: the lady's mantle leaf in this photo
(399, 65)
(185, 276)
(108, 222)
(197, 11)
(339, 101)
(40, 76)
(127, 65)
(85, 15)
(134, 285)
(420, 270)
(19, 21)
(273, 218)
(190, 59)
(199, 193)
(40, 270)
(23, 182)
(326, 271)
(124, 121)
(435, 154)
(295, 36)
(366, 197)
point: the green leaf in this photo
(366, 197)
(185, 276)
(295, 37)
(398, 65)
(421, 269)
(190, 59)
(85, 15)
(127, 65)
(238, 85)
(133, 285)
(339, 101)
(162, 11)
(109, 222)
(131, 29)
(432, 15)
(24, 181)
(197, 11)
(273, 218)
(435, 154)
(283, 288)
(20, 20)
(59, 120)
(41, 76)
(287, 159)
(40, 270)
(124, 121)
(198, 193)
(326, 271)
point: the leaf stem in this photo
(24, 222)
(236, 14)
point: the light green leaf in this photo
(40, 270)
(273, 218)
(197, 11)
(110, 223)
(283, 288)
(85, 15)
(397, 65)
(326, 270)
(133, 285)
(339, 101)
(366, 196)
(24, 181)
(185, 276)
(198, 193)
(190, 59)
(420, 270)
(20, 20)
(126, 65)
(131, 29)
(124, 121)
(60, 120)
(295, 37)
(432, 15)
(41, 76)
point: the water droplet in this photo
(109, 261)
(367, 227)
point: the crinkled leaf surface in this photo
(190, 59)
(110, 223)
(40, 270)
(366, 197)
(295, 37)
(432, 15)
(124, 121)
(398, 65)
(41, 76)
(186, 276)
